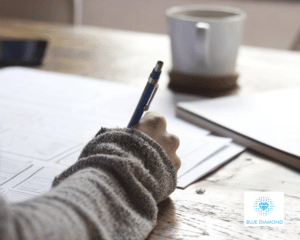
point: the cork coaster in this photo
(202, 84)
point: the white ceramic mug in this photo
(205, 39)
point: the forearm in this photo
(111, 193)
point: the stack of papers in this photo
(47, 118)
(266, 122)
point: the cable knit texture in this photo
(111, 192)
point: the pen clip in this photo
(151, 98)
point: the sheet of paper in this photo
(207, 147)
(9, 168)
(34, 146)
(50, 89)
(17, 196)
(40, 181)
(122, 104)
(12, 114)
(72, 126)
(210, 164)
(26, 179)
(270, 120)
(47, 118)
(70, 159)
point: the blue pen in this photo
(147, 96)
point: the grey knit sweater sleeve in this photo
(110, 193)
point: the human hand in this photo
(154, 125)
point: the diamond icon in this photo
(263, 205)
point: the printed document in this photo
(47, 118)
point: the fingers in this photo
(155, 121)
(173, 141)
(155, 125)
(176, 161)
(169, 142)
(152, 123)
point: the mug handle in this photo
(202, 41)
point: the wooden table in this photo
(126, 57)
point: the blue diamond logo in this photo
(263, 205)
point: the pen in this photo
(147, 95)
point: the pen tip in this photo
(158, 66)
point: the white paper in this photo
(17, 196)
(49, 89)
(210, 164)
(47, 118)
(70, 159)
(122, 103)
(72, 126)
(9, 168)
(35, 146)
(209, 145)
(270, 118)
(27, 179)
(40, 181)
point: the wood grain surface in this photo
(123, 56)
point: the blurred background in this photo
(270, 23)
